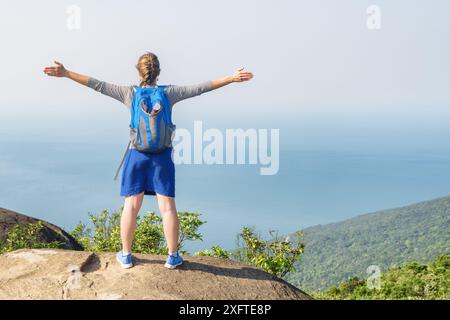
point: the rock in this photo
(65, 274)
(49, 233)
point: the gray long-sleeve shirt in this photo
(125, 94)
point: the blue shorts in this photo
(148, 173)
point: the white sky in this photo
(314, 61)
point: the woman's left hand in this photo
(241, 75)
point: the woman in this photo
(145, 173)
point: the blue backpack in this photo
(151, 127)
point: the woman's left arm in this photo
(179, 93)
(239, 76)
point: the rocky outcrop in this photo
(63, 274)
(49, 232)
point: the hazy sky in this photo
(321, 77)
(317, 66)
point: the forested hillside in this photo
(339, 251)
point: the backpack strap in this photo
(121, 162)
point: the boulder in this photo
(49, 232)
(66, 274)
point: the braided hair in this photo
(148, 67)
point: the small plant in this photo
(149, 236)
(26, 237)
(189, 224)
(104, 235)
(215, 251)
(277, 256)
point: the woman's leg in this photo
(171, 223)
(128, 220)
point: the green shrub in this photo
(149, 235)
(104, 235)
(277, 256)
(215, 251)
(26, 237)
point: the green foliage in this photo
(215, 251)
(104, 235)
(412, 281)
(389, 238)
(149, 235)
(26, 237)
(189, 224)
(277, 256)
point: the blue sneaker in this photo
(124, 260)
(173, 260)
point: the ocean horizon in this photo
(62, 185)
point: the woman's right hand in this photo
(56, 71)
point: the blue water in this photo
(62, 185)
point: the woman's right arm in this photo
(120, 93)
(60, 71)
